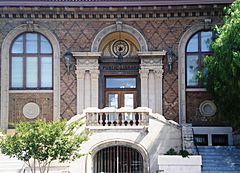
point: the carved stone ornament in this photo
(207, 108)
(151, 61)
(80, 74)
(144, 73)
(87, 62)
(159, 73)
(94, 74)
(31, 110)
(120, 47)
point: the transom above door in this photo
(121, 92)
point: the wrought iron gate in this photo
(118, 159)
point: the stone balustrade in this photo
(117, 117)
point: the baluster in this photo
(106, 118)
(120, 119)
(101, 119)
(147, 118)
(117, 118)
(134, 117)
(95, 116)
(128, 118)
(144, 119)
(88, 120)
(139, 118)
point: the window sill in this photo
(196, 89)
(30, 91)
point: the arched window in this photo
(197, 48)
(31, 62)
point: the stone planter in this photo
(11, 132)
(179, 164)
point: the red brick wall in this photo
(78, 34)
(18, 100)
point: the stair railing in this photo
(194, 142)
(23, 169)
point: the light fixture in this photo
(68, 60)
(170, 57)
(207, 24)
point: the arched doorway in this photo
(118, 159)
(119, 71)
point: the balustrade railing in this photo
(117, 117)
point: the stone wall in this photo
(161, 31)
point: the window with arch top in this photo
(199, 46)
(31, 62)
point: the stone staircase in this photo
(220, 159)
(10, 165)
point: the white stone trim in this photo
(115, 142)
(151, 74)
(196, 89)
(116, 28)
(181, 69)
(87, 54)
(87, 72)
(179, 164)
(5, 69)
(214, 131)
(30, 91)
(153, 53)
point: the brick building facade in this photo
(164, 27)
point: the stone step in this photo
(223, 171)
(220, 150)
(220, 168)
(220, 159)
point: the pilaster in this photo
(151, 74)
(94, 87)
(159, 89)
(80, 90)
(144, 87)
(87, 71)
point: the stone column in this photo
(159, 90)
(151, 74)
(94, 87)
(80, 90)
(87, 79)
(87, 90)
(144, 87)
(152, 90)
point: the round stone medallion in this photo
(120, 47)
(31, 110)
(207, 108)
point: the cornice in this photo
(112, 13)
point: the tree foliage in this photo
(42, 142)
(223, 68)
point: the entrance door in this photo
(121, 92)
(118, 99)
(118, 159)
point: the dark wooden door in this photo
(121, 98)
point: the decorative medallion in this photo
(120, 47)
(31, 110)
(207, 108)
